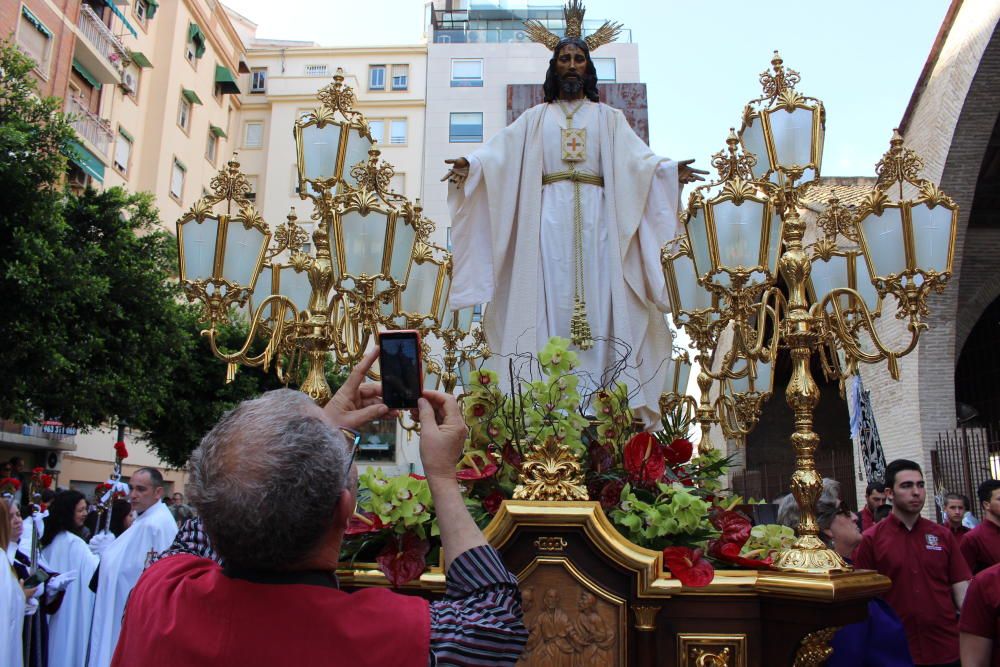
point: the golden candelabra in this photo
(745, 228)
(372, 265)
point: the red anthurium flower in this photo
(492, 502)
(735, 527)
(730, 552)
(404, 560)
(416, 476)
(10, 484)
(644, 460)
(364, 522)
(120, 450)
(679, 451)
(688, 566)
(46, 481)
(37, 471)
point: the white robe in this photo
(512, 242)
(11, 614)
(69, 627)
(121, 564)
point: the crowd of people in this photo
(274, 484)
(944, 603)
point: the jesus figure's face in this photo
(571, 68)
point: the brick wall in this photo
(950, 128)
(52, 80)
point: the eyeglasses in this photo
(354, 440)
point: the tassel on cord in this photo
(579, 327)
(231, 372)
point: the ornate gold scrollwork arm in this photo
(276, 341)
(839, 324)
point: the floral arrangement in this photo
(653, 487)
(9, 485)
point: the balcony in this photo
(98, 49)
(91, 127)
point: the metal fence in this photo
(768, 481)
(964, 458)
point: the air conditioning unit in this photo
(53, 461)
(128, 82)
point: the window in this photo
(258, 80)
(466, 72)
(400, 77)
(141, 10)
(184, 114)
(376, 77)
(211, 145)
(397, 131)
(606, 70)
(177, 175)
(465, 128)
(194, 48)
(253, 135)
(35, 40)
(377, 129)
(123, 151)
(252, 195)
(316, 70)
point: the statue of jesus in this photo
(558, 221)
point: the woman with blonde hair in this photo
(13, 600)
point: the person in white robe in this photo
(13, 602)
(64, 550)
(124, 558)
(515, 244)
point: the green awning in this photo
(151, 7)
(198, 37)
(125, 133)
(217, 131)
(117, 12)
(140, 59)
(33, 20)
(85, 73)
(180, 164)
(225, 80)
(191, 96)
(86, 160)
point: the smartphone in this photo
(401, 368)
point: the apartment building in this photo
(153, 90)
(284, 78)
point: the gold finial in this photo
(291, 217)
(734, 164)
(781, 80)
(338, 76)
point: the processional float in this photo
(591, 596)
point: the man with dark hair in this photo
(275, 484)
(954, 512)
(123, 559)
(874, 498)
(558, 222)
(929, 575)
(981, 545)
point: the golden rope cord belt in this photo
(579, 327)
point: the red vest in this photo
(185, 611)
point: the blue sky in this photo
(700, 59)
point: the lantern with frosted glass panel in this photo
(908, 244)
(784, 129)
(330, 141)
(220, 254)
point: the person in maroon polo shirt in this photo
(980, 638)
(954, 510)
(981, 545)
(929, 575)
(874, 498)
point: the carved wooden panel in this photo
(711, 650)
(571, 621)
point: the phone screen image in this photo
(400, 367)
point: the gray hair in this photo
(826, 512)
(266, 479)
(788, 507)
